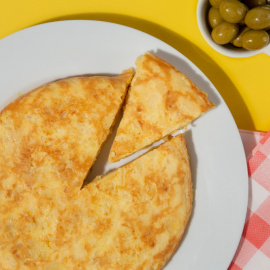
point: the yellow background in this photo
(243, 83)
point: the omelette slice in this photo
(160, 101)
(131, 218)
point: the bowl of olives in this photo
(235, 28)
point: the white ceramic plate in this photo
(51, 51)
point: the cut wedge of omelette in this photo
(161, 100)
(131, 218)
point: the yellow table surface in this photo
(244, 83)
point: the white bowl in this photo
(228, 49)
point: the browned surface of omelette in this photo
(49, 139)
(160, 101)
(131, 218)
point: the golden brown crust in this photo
(49, 139)
(160, 101)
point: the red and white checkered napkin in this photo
(253, 252)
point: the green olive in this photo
(254, 3)
(224, 32)
(258, 18)
(215, 3)
(237, 42)
(225, 17)
(232, 11)
(255, 39)
(214, 17)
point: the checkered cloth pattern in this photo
(253, 252)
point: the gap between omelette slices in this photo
(160, 103)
